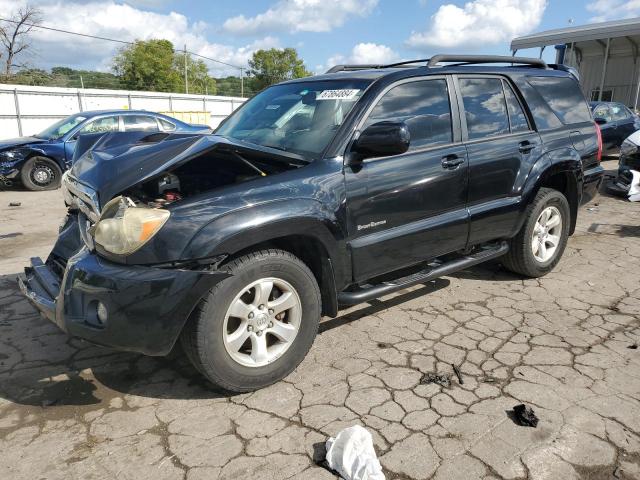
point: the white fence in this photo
(25, 110)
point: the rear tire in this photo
(538, 247)
(256, 326)
(41, 173)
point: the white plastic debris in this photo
(351, 454)
(634, 189)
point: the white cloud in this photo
(479, 22)
(613, 9)
(121, 21)
(300, 16)
(362, 53)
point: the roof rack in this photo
(351, 68)
(471, 59)
(437, 59)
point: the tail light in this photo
(599, 138)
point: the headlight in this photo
(10, 155)
(124, 228)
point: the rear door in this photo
(501, 147)
(146, 123)
(406, 208)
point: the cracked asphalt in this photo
(565, 344)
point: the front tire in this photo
(41, 173)
(540, 243)
(256, 326)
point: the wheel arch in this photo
(301, 227)
(561, 171)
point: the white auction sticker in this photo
(345, 94)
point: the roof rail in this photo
(565, 68)
(351, 68)
(471, 59)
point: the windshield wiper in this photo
(276, 148)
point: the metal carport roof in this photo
(581, 33)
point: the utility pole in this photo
(242, 82)
(186, 83)
(81, 81)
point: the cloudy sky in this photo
(325, 32)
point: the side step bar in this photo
(370, 292)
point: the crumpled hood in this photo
(113, 162)
(19, 142)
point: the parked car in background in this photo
(38, 161)
(317, 193)
(616, 122)
(629, 160)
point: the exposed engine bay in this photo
(203, 173)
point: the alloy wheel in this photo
(546, 234)
(262, 322)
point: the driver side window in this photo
(101, 125)
(602, 111)
(423, 105)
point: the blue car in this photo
(616, 122)
(38, 161)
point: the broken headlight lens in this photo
(123, 228)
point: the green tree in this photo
(272, 66)
(231, 86)
(198, 78)
(148, 65)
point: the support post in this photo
(635, 50)
(242, 82)
(17, 103)
(186, 83)
(635, 103)
(541, 50)
(80, 101)
(604, 68)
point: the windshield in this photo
(58, 129)
(297, 117)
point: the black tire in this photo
(40, 173)
(202, 337)
(520, 258)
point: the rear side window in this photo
(423, 106)
(166, 125)
(140, 122)
(564, 97)
(485, 107)
(517, 116)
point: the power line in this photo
(86, 35)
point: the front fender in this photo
(240, 229)
(54, 152)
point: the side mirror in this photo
(382, 139)
(600, 120)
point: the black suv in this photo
(317, 193)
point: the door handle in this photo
(451, 161)
(526, 146)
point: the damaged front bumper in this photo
(128, 307)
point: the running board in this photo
(370, 292)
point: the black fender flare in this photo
(565, 162)
(274, 221)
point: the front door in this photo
(407, 208)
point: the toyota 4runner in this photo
(317, 193)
